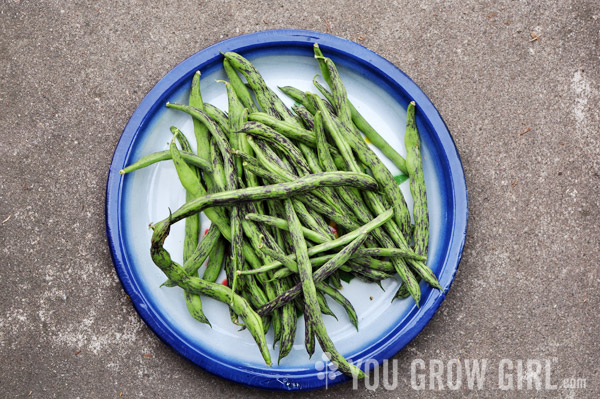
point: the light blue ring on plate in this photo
(404, 90)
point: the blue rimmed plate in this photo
(381, 92)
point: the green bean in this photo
(384, 178)
(289, 321)
(352, 202)
(237, 238)
(294, 132)
(401, 293)
(340, 96)
(274, 209)
(274, 191)
(218, 175)
(362, 256)
(417, 182)
(311, 158)
(378, 141)
(257, 170)
(284, 321)
(371, 274)
(309, 335)
(283, 225)
(155, 157)
(237, 116)
(256, 237)
(268, 158)
(339, 298)
(267, 99)
(257, 294)
(225, 149)
(338, 138)
(217, 135)
(380, 172)
(305, 115)
(312, 316)
(359, 255)
(218, 116)
(322, 151)
(240, 89)
(395, 232)
(346, 152)
(190, 182)
(192, 224)
(257, 129)
(347, 195)
(200, 130)
(391, 252)
(290, 130)
(285, 260)
(320, 274)
(328, 195)
(323, 306)
(299, 96)
(375, 138)
(251, 178)
(197, 258)
(219, 220)
(196, 285)
(194, 307)
(215, 261)
(335, 280)
(322, 65)
(327, 246)
(222, 223)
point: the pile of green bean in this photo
(273, 182)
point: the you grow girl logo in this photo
(326, 369)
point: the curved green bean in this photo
(196, 285)
(155, 157)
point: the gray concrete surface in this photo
(73, 72)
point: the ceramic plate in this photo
(381, 93)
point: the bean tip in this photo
(122, 172)
(198, 73)
(412, 103)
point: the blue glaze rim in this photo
(427, 115)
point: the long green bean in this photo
(190, 182)
(414, 165)
(155, 157)
(312, 315)
(196, 285)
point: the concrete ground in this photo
(516, 82)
